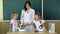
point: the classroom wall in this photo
(1, 11)
(18, 5)
(51, 9)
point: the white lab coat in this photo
(38, 23)
(27, 17)
(14, 24)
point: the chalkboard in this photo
(51, 9)
(18, 5)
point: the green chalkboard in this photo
(51, 9)
(18, 5)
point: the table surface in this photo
(30, 33)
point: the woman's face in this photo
(27, 6)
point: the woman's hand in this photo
(25, 24)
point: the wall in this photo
(1, 11)
(51, 9)
(18, 5)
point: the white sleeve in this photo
(22, 15)
(12, 21)
(13, 25)
(33, 14)
(42, 21)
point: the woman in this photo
(27, 15)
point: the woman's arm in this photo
(32, 16)
(22, 15)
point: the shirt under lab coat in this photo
(27, 16)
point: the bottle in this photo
(51, 27)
